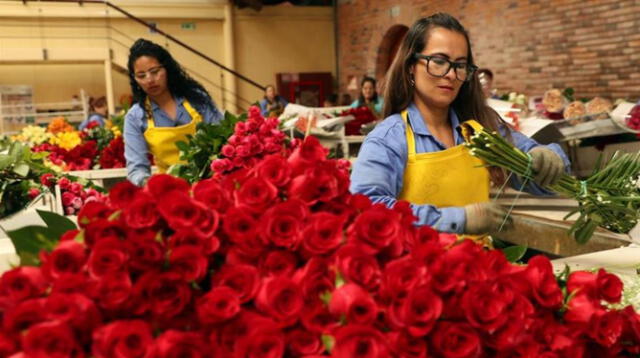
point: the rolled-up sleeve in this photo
(135, 147)
(379, 172)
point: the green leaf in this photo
(325, 297)
(15, 150)
(339, 280)
(5, 161)
(58, 224)
(514, 253)
(22, 169)
(29, 240)
(328, 342)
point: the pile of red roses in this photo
(79, 157)
(253, 139)
(363, 115)
(112, 156)
(633, 118)
(280, 260)
(74, 195)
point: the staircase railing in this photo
(168, 36)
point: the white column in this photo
(108, 80)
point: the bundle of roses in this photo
(362, 114)
(73, 194)
(112, 156)
(280, 260)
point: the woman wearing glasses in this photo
(417, 152)
(168, 104)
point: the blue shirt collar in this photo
(155, 107)
(420, 127)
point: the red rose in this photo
(210, 193)
(75, 309)
(71, 283)
(144, 253)
(263, 342)
(280, 298)
(108, 256)
(405, 346)
(64, 183)
(103, 229)
(455, 340)
(218, 305)
(114, 291)
(354, 303)
(418, 312)
(189, 262)
(375, 228)
(275, 169)
(161, 184)
(308, 154)
(33, 193)
(165, 294)
(141, 213)
(354, 341)
(24, 315)
(606, 328)
(401, 276)
(358, 267)
(304, 343)
(221, 165)
(243, 279)
(320, 183)
(123, 193)
(257, 194)
(8, 346)
(282, 224)
(67, 257)
(229, 336)
(609, 286)
(23, 282)
(228, 150)
(190, 237)
(487, 305)
(176, 344)
(315, 317)
(47, 180)
(182, 212)
(70, 235)
(323, 233)
(544, 286)
(241, 228)
(51, 339)
(278, 263)
(457, 266)
(581, 308)
(314, 285)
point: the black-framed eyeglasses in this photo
(439, 67)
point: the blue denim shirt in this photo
(264, 105)
(95, 117)
(135, 124)
(379, 170)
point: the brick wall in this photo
(531, 45)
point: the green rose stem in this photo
(608, 198)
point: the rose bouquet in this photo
(280, 260)
(74, 195)
(610, 198)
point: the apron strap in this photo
(411, 140)
(469, 128)
(195, 116)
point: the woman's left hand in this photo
(547, 166)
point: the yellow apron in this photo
(451, 177)
(162, 140)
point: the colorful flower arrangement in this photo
(71, 150)
(278, 259)
(73, 194)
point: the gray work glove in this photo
(485, 218)
(547, 166)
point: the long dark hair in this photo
(180, 84)
(399, 90)
(361, 99)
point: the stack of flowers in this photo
(112, 156)
(59, 124)
(32, 135)
(252, 140)
(280, 260)
(363, 115)
(74, 194)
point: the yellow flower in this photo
(32, 135)
(66, 140)
(114, 129)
